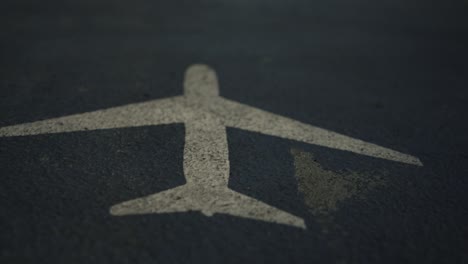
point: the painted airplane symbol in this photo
(206, 158)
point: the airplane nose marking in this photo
(206, 157)
(201, 81)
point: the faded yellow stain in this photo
(325, 190)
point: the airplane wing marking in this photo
(248, 118)
(155, 112)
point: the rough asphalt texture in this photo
(390, 72)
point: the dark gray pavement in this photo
(394, 73)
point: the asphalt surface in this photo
(394, 73)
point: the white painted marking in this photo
(206, 155)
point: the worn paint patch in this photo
(325, 190)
